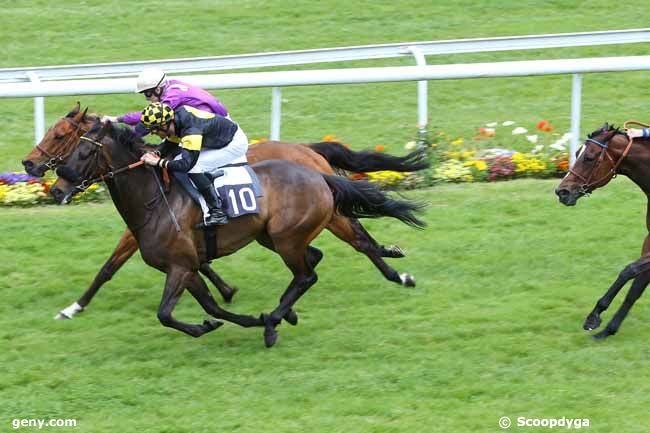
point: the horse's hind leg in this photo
(201, 293)
(224, 288)
(635, 292)
(632, 270)
(353, 233)
(123, 252)
(299, 261)
(314, 256)
(177, 280)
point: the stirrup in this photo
(217, 218)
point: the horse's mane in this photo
(606, 128)
(123, 136)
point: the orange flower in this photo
(331, 137)
(547, 128)
(380, 148)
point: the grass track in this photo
(505, 278)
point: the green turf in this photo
(505, 274)
(505, 277)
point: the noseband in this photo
(55, 160)
(589, 184)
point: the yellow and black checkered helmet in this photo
(156, 115)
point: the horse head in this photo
(58, 142)
(93, 159)
(597, 162)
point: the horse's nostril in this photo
(27, 164)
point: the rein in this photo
(589, 184)
(55, 160)
(86, 183)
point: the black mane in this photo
(606, 128)
(123, 135)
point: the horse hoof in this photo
(211, 325)
(407, 280)
(61, 316)
(591, 322)
(291, 317)
(395, 252)
(602, 334)
(228, 298)
(270, 334)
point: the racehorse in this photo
(297, 205)
(606, 153)
(61, 139)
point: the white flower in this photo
(410, 145)
(508, 123)
(488, 130)
(519, 130)
(491, 124)
(558, 146)
(532, 138)
(537, 148)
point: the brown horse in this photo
(606, 153)
(61, 139)
(297, 205)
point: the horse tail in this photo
(342, 157)
(361, 199)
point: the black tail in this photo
(361, 199)
(342, 157)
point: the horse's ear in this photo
(606, 127)
(74, 111)
(83, 115)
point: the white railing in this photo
(358, 75)
(67, 80)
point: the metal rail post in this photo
(39, 111)
(276, 113)
(576, 102)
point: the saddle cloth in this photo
(238, 188)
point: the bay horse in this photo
(606, 153)
(297, 205)
(61, 139)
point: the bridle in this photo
(588, 183)
(86, 183)
(55, 160)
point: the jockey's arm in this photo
(185, 163)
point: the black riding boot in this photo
(206, 188)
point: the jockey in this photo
(155, 87)
(207, 141)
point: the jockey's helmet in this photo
(150, 78)
(156, 115)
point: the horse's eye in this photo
(59, 136)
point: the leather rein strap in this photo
(111, 174)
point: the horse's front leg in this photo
(177, 280)
(632, 270)
(635, 292)
(201, 293)
(123, 252)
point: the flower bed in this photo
(484, 157)
(19, 189)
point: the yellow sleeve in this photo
(192, 142)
